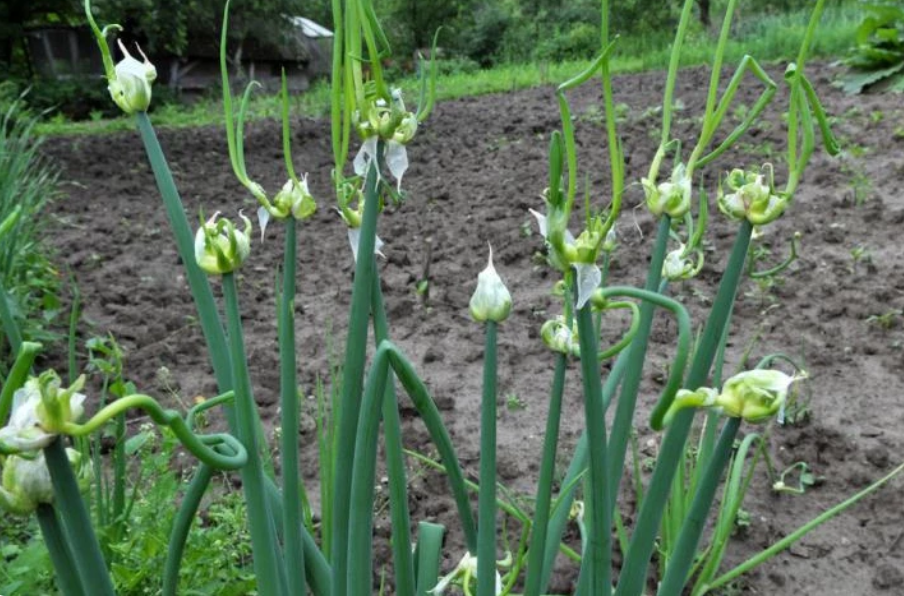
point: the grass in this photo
(769, 37)
(27, 183)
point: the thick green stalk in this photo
(360, 535)
(540, 525)
(68, 500)
(624, 412)
(353, 377)
(68, 580)
(268, 564)
(685, 550)
(403, 561)
(599, 522)
(197, 279)
(317, 570)
(486, 506)
(25, 357)
(359, 540)
(181, 526)
(429, 551)
(578, 465)
(634, 570)
(289, 407)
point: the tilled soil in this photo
(477, 166)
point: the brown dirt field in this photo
(477, 166)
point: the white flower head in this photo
(756, 395)
(220, 247)
(25, 482)
(681, 264)
(672, 197)
(39, 409)
(462, 575)
(130, 85)
(491, 300)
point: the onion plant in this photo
(291, 555)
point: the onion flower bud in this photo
(680, 264)
(752, 196)
(294, 198)
(755, 395)
(491, 300)
(561, 338)
(220, 247)
(40, 410)
(130, 85)
(672, 197)
(25, 482)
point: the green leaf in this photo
(856, 82)
(135, 443)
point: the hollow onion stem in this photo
(634, 570)
(576, 468)
(68, 501)
(360, 526)
(624, 412)
(199, 445)
(597, 557)
(353, 379)
(268, 565)
(685, 549)
(429, 551)
(181, 526)
(403, 560)
(540, 524)
(8, 322)
(486, 504)
(68, 580)
(289, 424)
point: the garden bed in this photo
(477, 166)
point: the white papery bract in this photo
(491, 300)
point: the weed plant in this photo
(709, 420)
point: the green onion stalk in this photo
(403, 560)
(289, 425)
(353, 378)
(597, 556)
(68, 580)
(486, 508)
(389, 359)
(634, 570)
(685, 550)
(269, 567)
(429, 552)
(85, 549)
(540, 520)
